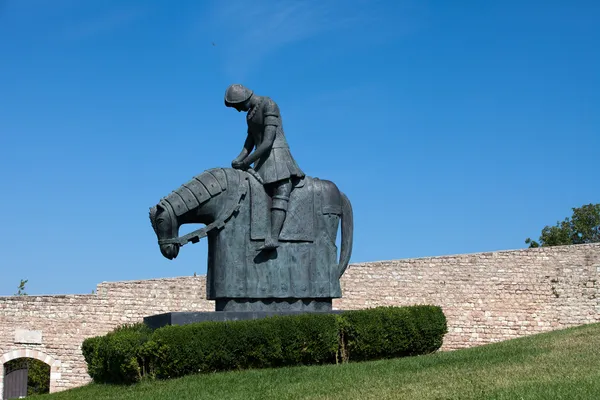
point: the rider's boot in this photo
(278, 212)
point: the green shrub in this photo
(308, 339)
(387, 332)
(130, 353)
(89, 348)
(116, 357)
(270, 342)
(432, 325)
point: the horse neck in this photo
(219, 203)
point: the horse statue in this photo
(302, 274)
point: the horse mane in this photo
(152, 215)
(200, 189)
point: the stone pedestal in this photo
(183, 318)
(273, 304)
(237, 309)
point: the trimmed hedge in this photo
(388, 332)
(118, 356)
(133, 352)
(271, 342)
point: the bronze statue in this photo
(271, 158)
(301, 270)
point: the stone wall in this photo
(487, 297)
(65, 321)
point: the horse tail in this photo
(347, 234)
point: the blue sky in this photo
(453, 127)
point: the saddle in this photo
(299, 222)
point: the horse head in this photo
(166, 227)
(199, 201)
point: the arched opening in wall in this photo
(25, 377)
(55, 368)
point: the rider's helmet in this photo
(237, 94)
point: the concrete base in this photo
(183, 318)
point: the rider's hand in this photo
(237, 164)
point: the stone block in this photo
(25, 336)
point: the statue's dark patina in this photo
(271, 157)
(271, 230)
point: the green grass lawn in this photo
(551, 366)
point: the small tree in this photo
(583, 227)
(21, 291)
(38, 377)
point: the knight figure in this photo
(271, 157)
